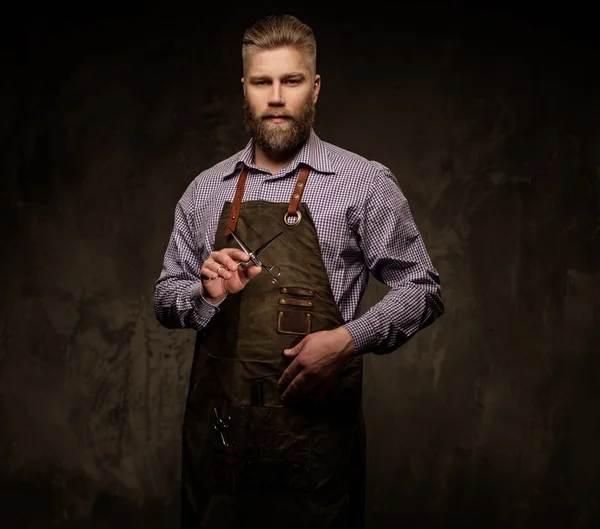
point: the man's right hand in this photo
(221, 274)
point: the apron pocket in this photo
(294, 322)
(224, 469)
(275, 444)
(272, 475)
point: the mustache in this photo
(269, 116)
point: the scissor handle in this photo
(274, 275)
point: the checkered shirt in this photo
(363, 222)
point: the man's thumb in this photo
(293, 351)
(253, 271)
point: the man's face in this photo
(280, 94)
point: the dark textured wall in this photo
(490, 120)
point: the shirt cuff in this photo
(363, 337)
(203, 307)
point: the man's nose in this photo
(276, 96)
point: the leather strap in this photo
(298, 190)
(237, 202)
(239, 194)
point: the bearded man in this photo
(273, 431)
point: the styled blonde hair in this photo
(278, 31)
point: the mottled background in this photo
(489, 117)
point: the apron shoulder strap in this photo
(297, 193)
(237, 202)
(239, 194)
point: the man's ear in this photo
(316, 87)
(243, 85)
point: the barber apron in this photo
(248, 460)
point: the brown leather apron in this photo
(270, 465)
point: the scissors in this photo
(221, 426)
(254, 256)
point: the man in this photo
(273, 433)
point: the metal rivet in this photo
(284, 290)
(300, 184)
(310, 292)
(282, 301)
(233, 216)
(296, 195)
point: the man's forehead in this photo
(278, 62)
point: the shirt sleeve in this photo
(178, 293)
(395, 254)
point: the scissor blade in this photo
(266, 245)
(242, 245)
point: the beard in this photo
(280, 141)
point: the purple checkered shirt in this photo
(364, 224)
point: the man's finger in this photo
(210, 269)
(292, 371)
(298, 388)
(236, 254)
(253, 271)
(227, 258)
(294, 351)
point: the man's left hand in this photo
(317, 359)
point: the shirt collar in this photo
(312, 153)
